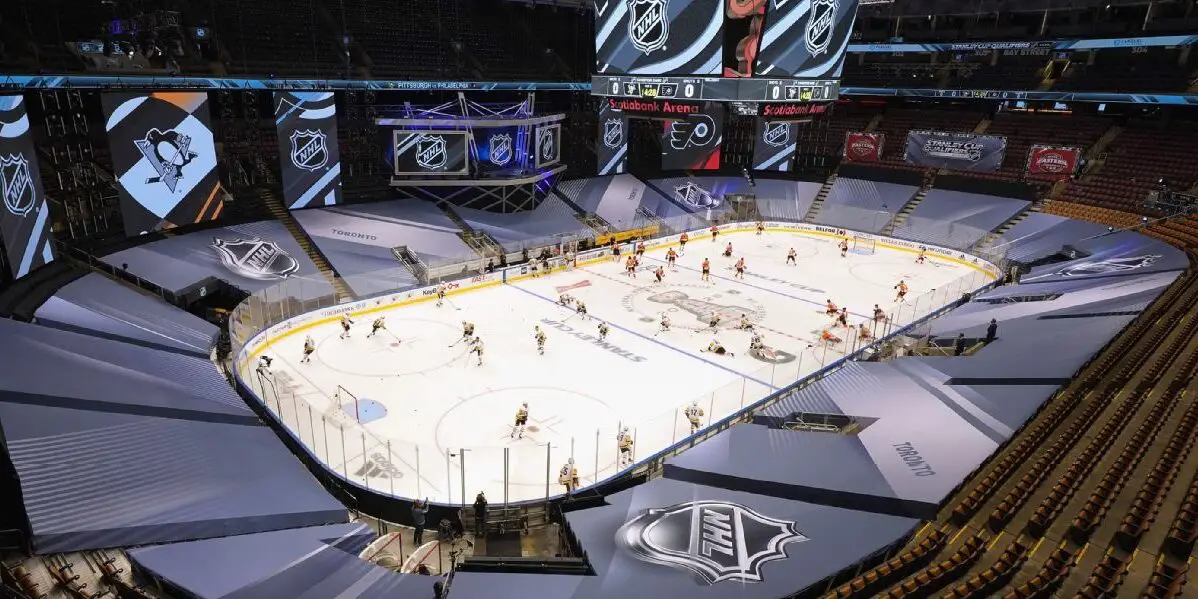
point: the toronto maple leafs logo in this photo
(613, 133)
(255, 258)
(168, 152)
(309, 149)
(648, 25)
(19, 193)
(430, 152)
(776, 134)
(821, 23)
(501, 149)
(717, 540)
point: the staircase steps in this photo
(813, 211)
(277, 210)
(905, 211)
(1103, 142)
(981, 126)
(873, 123)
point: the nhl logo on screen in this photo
(548, 148)
(255, 258)
(776, 134)
(501, 149)
(309, 149)
(820, 26)
(716, 540)
(613, 133)
(19, 193)
(648, 26)
(430, 152)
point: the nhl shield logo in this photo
(648, 26)
(716, 540)
(430, 152)
(501, 149)
(1103, 267)
(613, 133)
(548, 147)
(255, 258)
(309, 150)
(776, 134)
(19, 193)
(820, 26)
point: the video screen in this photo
(25, 224)
(611, 145)
(659, 37)
(500, 149)
(694, 143)
(775, 144)
(308, 149)
(431, 152)
(806, 38)
(549, 145)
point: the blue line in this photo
(652, 340)
(757, 287)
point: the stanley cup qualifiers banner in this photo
(805, 38)
(693, 143)
(311, 161)
(611, 145)
(164, 159)
(958, 151)
(860, 146)
(774, 147)
(1053, 162)
(25, 220)
(659, 37)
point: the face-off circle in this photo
(691, 306)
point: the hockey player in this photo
(902, 291)
(791, 256)
(682, 239)
(442, 289)
(521, 422)
(309, 348)
(660, 274)
(745, 323)
(580, 308)
(879, 315)
(693, 414)
(713, 322)
(842, 318)
(264, 365)
(828, 337)
(760, 227)
(378, 325)
(740, 268)
(715, 232)
(717, 348)
(923, 254)
(345, 324)
(603, 331)
(476, 347)
(624, 442)
(728, 250)
(864, 334)
(615, 250)
(665, 323)
(640, 249)
(671, 257)
(830, 308)
(467, 330)
(630, 266)
(564, 300)
(706, 271)
(568, 477)
(844, 247)
(539, 335)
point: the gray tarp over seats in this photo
(863, 205)
(785, 200)
(110, 309)
(616, 198)
(552, 217)
(957, 219)
(304, 563)
(116, 445)
(1039, 235)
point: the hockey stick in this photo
(451, 304)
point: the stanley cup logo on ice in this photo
(309, 150)
(613, 132)
(701, 309)
(19, 194)
(717, 540)
(501, 149)
(648, 26)
(820, 26)
(430, 151)
(777, 134)
(255, 258)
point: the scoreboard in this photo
(715, 89)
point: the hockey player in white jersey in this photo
(345, 324)
(624, 442)
(694, 414)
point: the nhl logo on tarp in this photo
(501, 149)
(255, 258)
(717, 540)
(613, 133)
(19, 193)
(820, 26)
(696, 196)
(1103, 267)
(648, 26)
(309, 149)
(430, 152)
(776, 134)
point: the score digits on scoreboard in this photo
(717, 89)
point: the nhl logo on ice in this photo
(648, 26)
(19, 193)
(820, 26)
(717, 540)
(309, 149)
(255, 258)
(501, 149)
(776, 134)
(430, 152)
(613, 133)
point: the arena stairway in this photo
(275, 204)
(993, 236)
(480, 241)
(813, 211)
(900, 217)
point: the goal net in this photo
(864, 245)
(347, 404)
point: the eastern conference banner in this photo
(694, 143)
(806, 38)
(25, 221)
(862, 146)
(659, 37)
(431, 152)
(311, 161)
(611, 145)
(1053, 161)
(549, 146)
(958, 151)
(164, 159)
(774, 148)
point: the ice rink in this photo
(415, 406)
